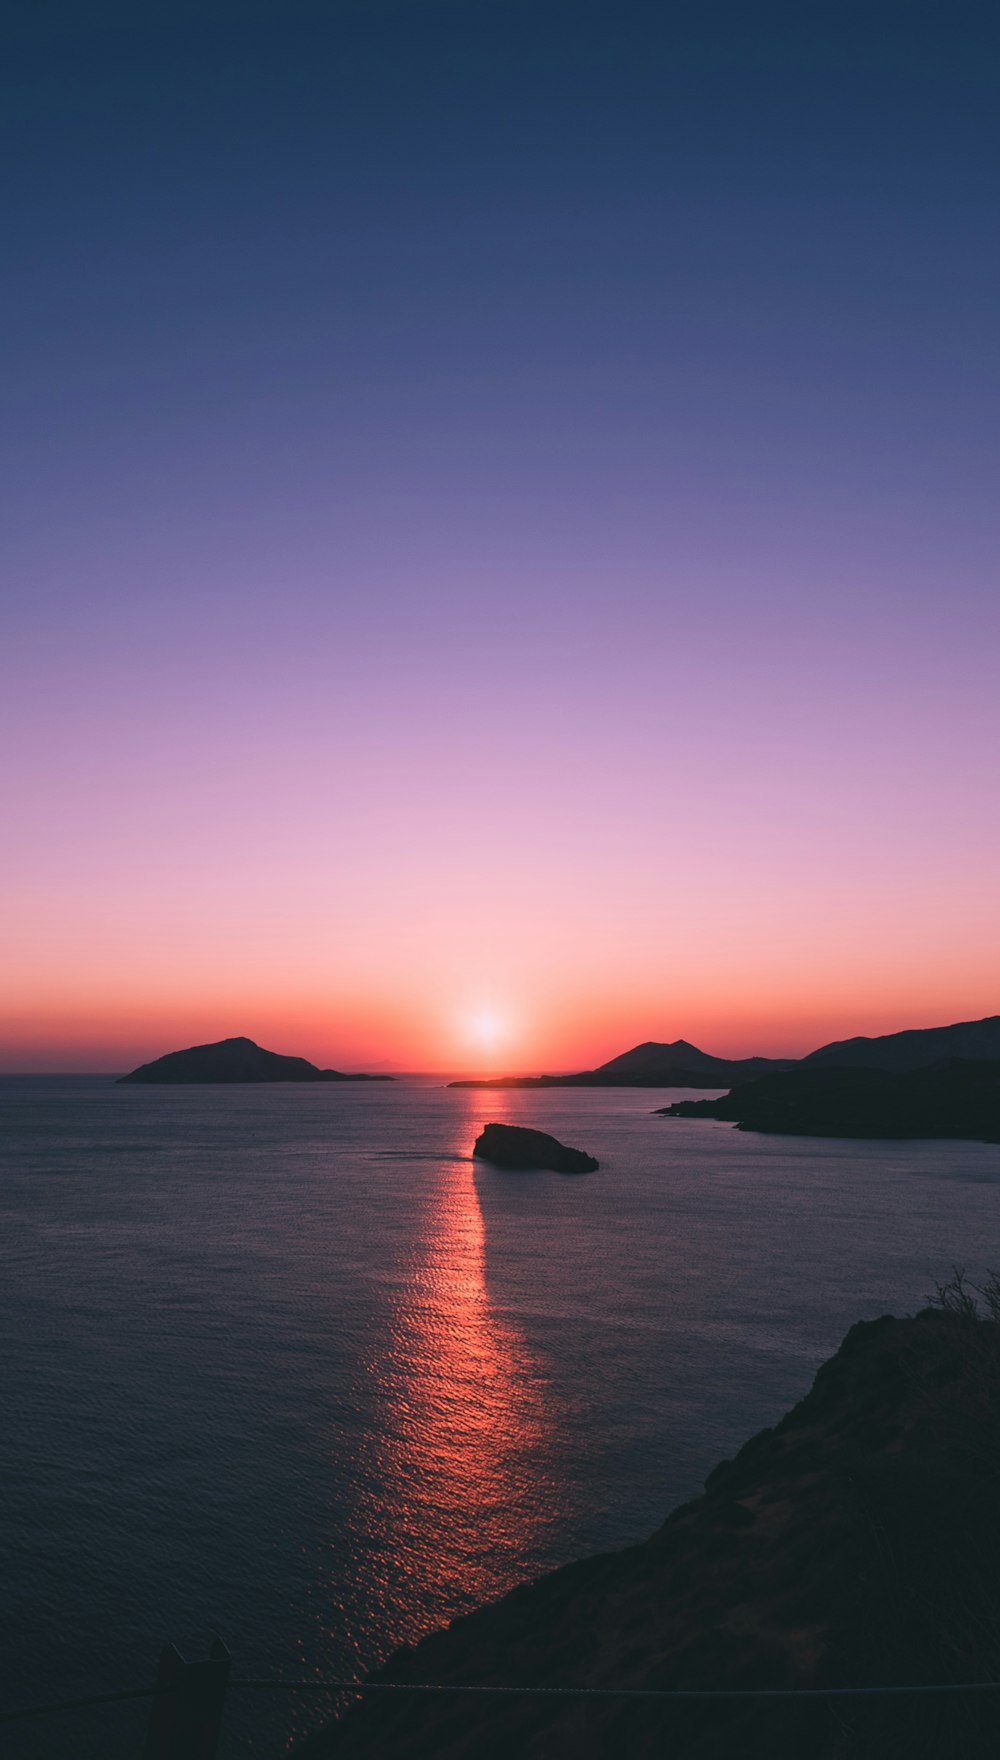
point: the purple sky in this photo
(500, 514)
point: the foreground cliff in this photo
(856, 1543)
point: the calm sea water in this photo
(285, 1364)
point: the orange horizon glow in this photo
(757, 843)
(445, 909)
(575, 1035)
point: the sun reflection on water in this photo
(460, 1487)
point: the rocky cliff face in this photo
(856, 1543)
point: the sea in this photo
(285, 1365)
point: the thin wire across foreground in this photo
(686, 1693)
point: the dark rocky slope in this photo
(856, 1543)
(954, 1099)
(236, 1060)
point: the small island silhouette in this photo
(513, 1145)
(236, 1060)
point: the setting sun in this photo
(488, 1028)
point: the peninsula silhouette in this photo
(236, 1060)
(959, 1097)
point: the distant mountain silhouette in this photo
(236, 1060)
(680, 1064)
(957, 1098)
(651, 1065)
(916, 1049)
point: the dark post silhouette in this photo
(186, 1714)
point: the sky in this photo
(499, 540)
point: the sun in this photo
(488, 1027)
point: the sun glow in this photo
(488, 1028)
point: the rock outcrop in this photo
(511, 1145)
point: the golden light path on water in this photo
(461, 1487)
